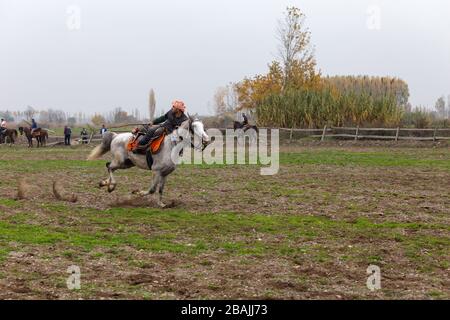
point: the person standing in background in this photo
(84, 136)
(67, 134)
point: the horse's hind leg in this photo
(111, 181)
(113, 166)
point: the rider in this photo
(33, 125)
(168, 122)
(3, 126)
(84, 136)
(245, 122)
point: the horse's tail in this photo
(15, 133)
(104, 147)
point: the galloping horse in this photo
(163, 163)
(11, 134)
(41, 136)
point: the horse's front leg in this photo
(154, 184)
(158, 182)
(160, 191)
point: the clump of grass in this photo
(22, 189)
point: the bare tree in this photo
(225, 99)
(440, 107)
(152, 104)
(30, 113)
(232, 97)
(219, 101)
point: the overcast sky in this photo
(185, 49)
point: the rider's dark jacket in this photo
(245, 122)
(170, 121)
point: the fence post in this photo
(324, 133)
(290, 137)
(397, 134)
(357, 132)
(434, 134)
(90, 138)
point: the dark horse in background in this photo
(11, 134)
(244, 125)
(39, 134)
(252, 134)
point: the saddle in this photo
(153, 146)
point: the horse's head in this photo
(21, 130)
(194, 128)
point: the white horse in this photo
(189, 132)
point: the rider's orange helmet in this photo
(179, 105)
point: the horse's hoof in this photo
(102, 184)
(111, 188)
(161, 204)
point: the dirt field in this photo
(309, 232)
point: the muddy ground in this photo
(309, 232)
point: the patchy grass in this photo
(308, 232)
(386, 158)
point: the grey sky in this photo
(186, 49)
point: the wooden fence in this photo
(355, 133)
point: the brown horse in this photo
(39, 134)
(11, 134)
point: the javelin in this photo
(49, 130)
(130, 124)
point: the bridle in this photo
(202, 145)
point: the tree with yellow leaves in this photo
(295, 51)
(297, 69)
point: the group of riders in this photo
(4, 126)
(12, 133)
